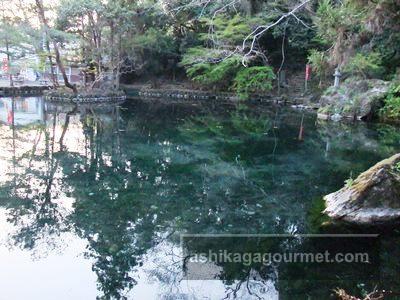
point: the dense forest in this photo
(230, 45)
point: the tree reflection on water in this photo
(128, 179)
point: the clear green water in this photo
(93, 198)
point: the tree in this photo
(9, 35)
(46, 28)
(362, 38)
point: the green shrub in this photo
(397, 167)
(391, 109)
(198, 55)
(319, 62)
(365, 65)
(215, 63)
(213, 73)
(253, 80)
(229, 30)
(334, 16)
(155, 40)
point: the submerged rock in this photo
(374, 197)
(354, 99)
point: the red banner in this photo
(5, 65)
(308, 72)
(10, 117)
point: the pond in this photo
(93, 198)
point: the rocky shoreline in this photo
(355, 99)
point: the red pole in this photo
(6, 69)
(301, 131)
(308, 75)
(308, 72)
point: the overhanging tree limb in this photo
(43, 20)
(260, 30)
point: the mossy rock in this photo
(361, 98)
(374, 197)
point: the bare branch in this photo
(260, 30)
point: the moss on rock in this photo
(373, 197)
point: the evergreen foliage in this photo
(254, 80)
(210, 72)
(365, 65)
(320, 64)
(391, 110)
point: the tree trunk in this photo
(119, 64)
(9, 63)
(42, 17)
(96, 34)
(113, 64)
(54, 78)
(62, 69)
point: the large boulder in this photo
(374, 197)
(354, 99)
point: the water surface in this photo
(93, 198)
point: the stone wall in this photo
(84, 99)
(23, 90)
(144, 93)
